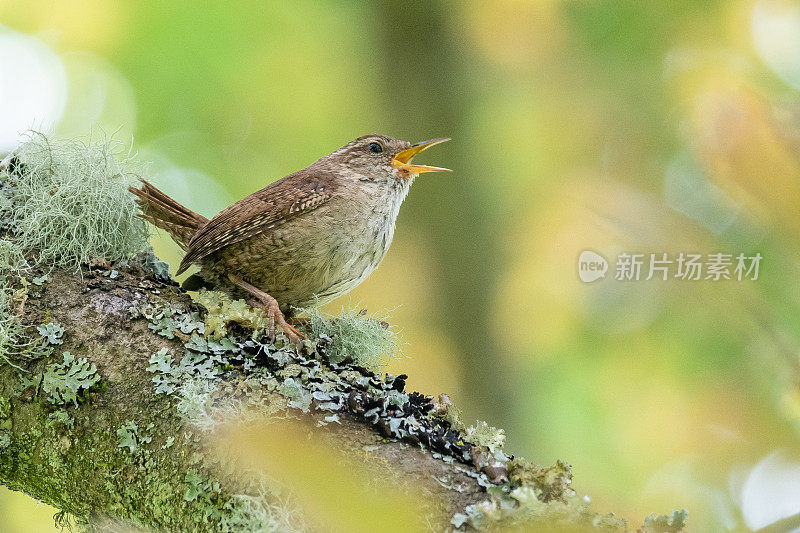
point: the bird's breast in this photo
(315, 257)
(357, 239)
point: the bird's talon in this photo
(294, 334)
(274, 313)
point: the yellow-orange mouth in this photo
(402, 160)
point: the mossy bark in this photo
(75, 458)
(126, 449)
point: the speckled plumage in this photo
(304, 239)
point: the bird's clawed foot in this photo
(274, 313)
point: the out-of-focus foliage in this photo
(328, 485)
(651, 127)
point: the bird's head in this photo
(381, 157)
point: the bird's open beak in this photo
(402, 160)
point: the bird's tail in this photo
(165, 213)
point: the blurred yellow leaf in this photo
(335, 491)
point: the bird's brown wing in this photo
(261, 211)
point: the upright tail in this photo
(165, 213)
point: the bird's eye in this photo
(375, 148)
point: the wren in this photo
(303, 240)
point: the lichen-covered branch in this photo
(111, 422)
(116, 388)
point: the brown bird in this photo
(302, 240)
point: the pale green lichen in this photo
(204, 403)
(12, 259)
(482, 434)
(224, 312)
(131, 437)
(550, 482)
(52, 332)
(165, 374)
(41, 280)
(69, 202)
(367, 340)
(444, 410)
(510, 508)
(60, 419)
(672, 523)
(69, 380)
(298, 397)
(15, 344)
(197, 486)
(542, 497)
(196, 401)
(254, 513)
(168, 375)
(166, 320)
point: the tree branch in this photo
(127, 435)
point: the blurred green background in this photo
(615, 126)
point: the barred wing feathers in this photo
(262, 211)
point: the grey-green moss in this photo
(368, 341)
(68, 201)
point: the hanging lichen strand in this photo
(68, 201)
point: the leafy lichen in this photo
(60, 419)
(365, 340)
(542, 497)
(69, 380)
(15, 344)
(509, 508)
(444, 410)
(131, 437)
(551, 483)
(483, 434)
(222, 312)
(52, 332)
(672, 523)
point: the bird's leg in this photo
(273, 310)
(290, 319)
